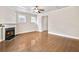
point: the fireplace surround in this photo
(8, 31)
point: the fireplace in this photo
(9, 33)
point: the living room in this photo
(39, 28)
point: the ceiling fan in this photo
(36, 9)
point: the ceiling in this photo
(29, 9)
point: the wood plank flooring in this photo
(39, 42)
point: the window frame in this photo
(35, 20)
(21, 21)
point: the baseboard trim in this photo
(42, 30)
(68, 36)
(25, 32)
(31, 32)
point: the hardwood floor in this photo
(40, 42)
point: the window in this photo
(22, 19)
(33, 19)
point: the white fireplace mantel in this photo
(2, 30)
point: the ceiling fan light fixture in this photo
(37, 10)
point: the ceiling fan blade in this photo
(41, 9)
(39, 12)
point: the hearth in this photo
(9, 33)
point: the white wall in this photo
(26, 27)
(64, 21)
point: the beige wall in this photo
(44, 23)
(64, 21)
(26, 27)
(7, 15)
(39, 22)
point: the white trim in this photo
(68, 36)
(24, 32)
(42, 30)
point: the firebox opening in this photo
(9, 33)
